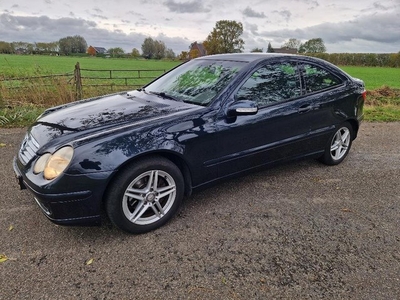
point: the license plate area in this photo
(20, 182)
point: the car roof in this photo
(255, 57)
(245, 57)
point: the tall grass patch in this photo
(37, 90)
(383, 105)
(384, 113)
(53, 89)
(19, 115)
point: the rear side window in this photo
(317, 78)
(272, 83)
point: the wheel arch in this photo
(173, 157)
(355, 126)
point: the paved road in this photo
(298, 231)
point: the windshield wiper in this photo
(165, 96)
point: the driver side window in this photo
(271, 84)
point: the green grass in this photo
(375, 77)
(22, 65)
(39, 91)
(386, 113)
(19, 116)
(383, 84)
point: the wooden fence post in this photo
(78, 82)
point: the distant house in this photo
(198, 49)
(285, 50)
(20, 51)
(96, 50)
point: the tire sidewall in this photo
(327, 157)
(116, 192)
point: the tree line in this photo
(315, 45)
(391, 60)
(65, 46)
(224, 38)
(28, 48)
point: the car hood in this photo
(93, 115)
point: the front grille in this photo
(28, 148)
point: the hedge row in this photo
(361, 59)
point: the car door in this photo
(278, 131)
(329, 92)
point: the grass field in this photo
(383, 84)
(22, 65)
(375, 77)
(46, 92)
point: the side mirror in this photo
(242, 108)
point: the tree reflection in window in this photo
(197, 81)
(201, 84)
(271, 84)
(317, 79)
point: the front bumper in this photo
(71, 207)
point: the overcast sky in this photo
(344, 25)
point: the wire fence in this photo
(81, 83)
(113, 80)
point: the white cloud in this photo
(345, 26)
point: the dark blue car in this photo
(137, 154)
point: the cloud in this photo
(186, 7)
(99, 17)
(248, 12)
(131, 12)
(284, 13)
(381, 28)
(378, 5)
(29, 25)
(27, 29)
(253, 28)
(376, 29)
(313, 3)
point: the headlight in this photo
(41, 163)
(53, 165)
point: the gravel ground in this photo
(298, 231)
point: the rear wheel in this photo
(338, 145)
(145, 195)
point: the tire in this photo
(338, 145)
(145, 195)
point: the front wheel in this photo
(145, 195)
(338, 145)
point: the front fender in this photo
(109, 154)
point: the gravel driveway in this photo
(298, 231)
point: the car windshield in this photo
(197, 81)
